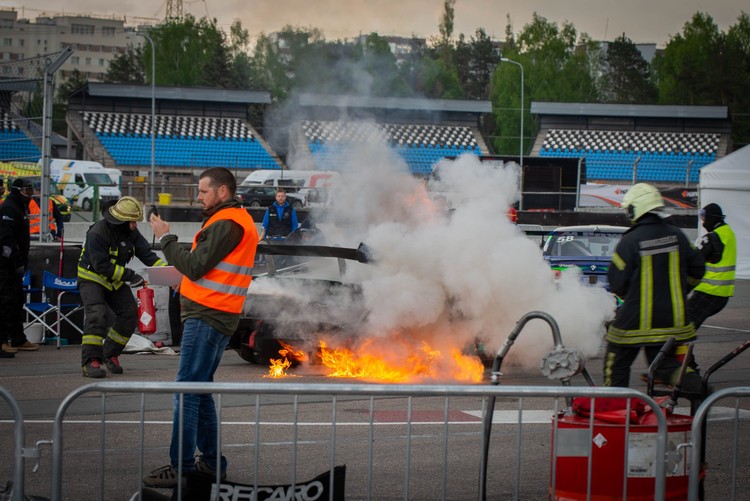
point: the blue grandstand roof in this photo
(629, 110)
(179, 93)
(395, 103)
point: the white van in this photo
(311, 186)
(295, 179)
(77, 179)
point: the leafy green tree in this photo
(557, 65)
(626, 77)
(686, 70)
(190, 52)
(483, 59)
(127, 67)
(76, 80)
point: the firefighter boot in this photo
(93, 368)
(113, 365)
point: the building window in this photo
(75, 60)
(82, 29)
(21, 42)
(108, 31)
(88, 61)
(7, 42)
(101, 61)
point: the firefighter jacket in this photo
(106, 251)
(719, 277)
(14, 232)
(217, 268)
(280, 220)
(653, 269)
(35, 217)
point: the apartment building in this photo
(95, 40)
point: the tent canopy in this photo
(727, 182)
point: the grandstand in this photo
(194, 128)
(15, 144)
(420, 131)
(658, 144)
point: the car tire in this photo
(297, 204)
(254, 203)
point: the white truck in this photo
(78, 178)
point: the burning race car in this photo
(588, 248)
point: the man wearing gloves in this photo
(14, 244)
(719, 249)
(110, 244)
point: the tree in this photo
(190, 52)
(483, 59)
(127, 67)
(626, 77)
(557, 65)
(75, 81)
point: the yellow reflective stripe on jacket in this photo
(649, 336)
(675, 289)
(719, 277)
(647, 302)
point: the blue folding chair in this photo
(54, 286)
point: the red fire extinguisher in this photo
(146, 310)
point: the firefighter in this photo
(653, 269)
(110, 244)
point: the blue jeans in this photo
(200, 353)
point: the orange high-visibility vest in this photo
(224, 288)
(35, 217)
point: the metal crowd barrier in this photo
(396, 441)
(18, 450)
(697, 442)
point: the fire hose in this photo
(560, 364)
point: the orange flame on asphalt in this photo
(279, 366)
(401, 363)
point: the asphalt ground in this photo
(39, 381)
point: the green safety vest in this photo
(719, 277)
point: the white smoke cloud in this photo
(456, 276)
(471, 268)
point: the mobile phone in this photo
(153, 210)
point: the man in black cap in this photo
(110, 244)
(14, 259)
(719, 249)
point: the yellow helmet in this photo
(640, 199)
(127, 209)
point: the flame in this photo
(289, 354)
(278, 367)
(402, 363)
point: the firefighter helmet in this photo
(640, 199)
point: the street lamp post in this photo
(520, 149)
(153, 110)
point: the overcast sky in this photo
(643, 21)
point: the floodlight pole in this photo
(153, 110)
(520, 152)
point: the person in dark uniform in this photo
(653, 269)
(14, 260)
(280, 219)
(110, 244)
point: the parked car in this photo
(263, 196)
(589, 248)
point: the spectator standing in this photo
(14, 260)
(217, 273)
(280, 218)
(719, 249)
(653, 269)
(2, 190)
(110, 245)
(35, 218)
